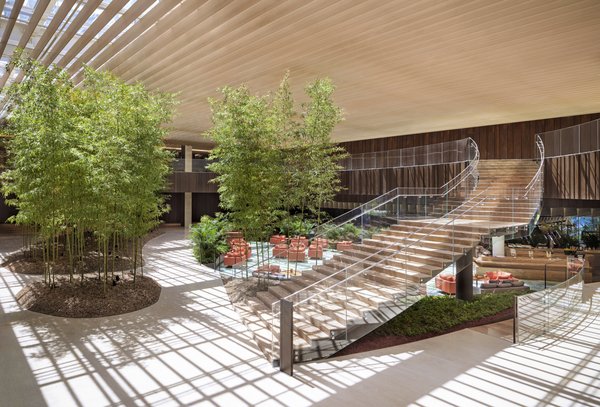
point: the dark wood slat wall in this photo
(499, 141)
(573, 177)
(191, 182)
(376, 182)
(204, 204)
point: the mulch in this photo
(374, 341)
(87, 299)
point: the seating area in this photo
(212, 196)
(535, 267)
(489, 282)
(294, 249)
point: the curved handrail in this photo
(539, 172)
(573, 140)
(541, 297)
(441, 191)
(413, 157)
(387, 248)
(390, 196)
(470, 206)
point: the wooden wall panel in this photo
(371, 183)
(175, 215)
(5, 210)
(204, 204)
(573, 177)
(191, 182)
(499, 141)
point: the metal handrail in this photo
(391, 196)
(402, 250)
(593, 140)
(539, 172)
(530, 299)
(396, 154)
(441, 191)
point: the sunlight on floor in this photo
(191, 348)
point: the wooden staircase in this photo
(385, 274)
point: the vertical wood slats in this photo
(500, 141)
(572, 177)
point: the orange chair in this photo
(276, 239)
(233, 257)
(268, 268)
(299, 240)
(297, 252)
(446, 283)
(315, 252)
(234, 235)
(498, 275)
(280, 250)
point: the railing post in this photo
(464, 276)
(515, 319)
(286, 337)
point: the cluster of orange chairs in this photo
(447, 282)
(296, 251)
(239, 251)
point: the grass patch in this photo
(433, 315)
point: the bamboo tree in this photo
(85, 160)
(270, 160)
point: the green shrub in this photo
(295, 225)
(590, 239)
(439, 314)
(569, 241)
(209, 238)
(336, 233)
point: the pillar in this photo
(464, 276)
(498, 246)
(187, 198)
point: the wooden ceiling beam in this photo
(107, 15)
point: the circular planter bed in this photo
(88, 299)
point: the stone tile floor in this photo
(190, 348)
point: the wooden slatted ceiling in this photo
(401, 67)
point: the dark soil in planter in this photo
(373, 341)
(87, 299)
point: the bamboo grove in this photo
(86, 166)
(272, 160)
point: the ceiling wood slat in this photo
(400, 66)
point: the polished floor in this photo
(190, 348)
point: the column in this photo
(187, 198)
(464, 276)
(498, 246)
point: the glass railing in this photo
(361, 222)
(542, 312)
(338, 304)
(198, 165)
(451, 152)
(433, 154)
(579, 139)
